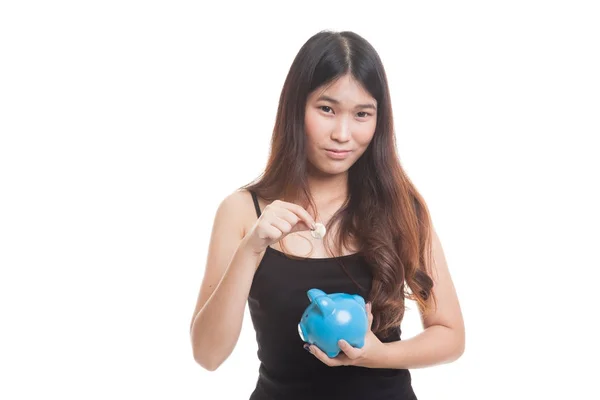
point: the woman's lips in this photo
(336, 154)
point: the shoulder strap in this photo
(256, 206)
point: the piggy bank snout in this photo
(301, 333)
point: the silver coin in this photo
(319, 231)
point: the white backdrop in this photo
(124, 123)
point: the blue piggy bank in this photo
(331, 317)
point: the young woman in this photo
(333, 161)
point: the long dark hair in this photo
(383, 213)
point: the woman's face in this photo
(341, 117)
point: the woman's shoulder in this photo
(238, 197)
(238, 204)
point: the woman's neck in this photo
(329, 194)
(328, 190)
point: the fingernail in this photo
(307, 347)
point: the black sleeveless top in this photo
(276, 302)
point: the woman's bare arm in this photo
(217, 319)
(233, 258)
(443, 339)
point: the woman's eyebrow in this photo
(334, 101)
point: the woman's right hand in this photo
(277, 220)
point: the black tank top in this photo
(276, 302)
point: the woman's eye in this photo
(364, 113)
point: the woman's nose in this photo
(342, 130)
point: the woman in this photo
(333, 161)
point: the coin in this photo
(319, 231)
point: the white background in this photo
(124, 123)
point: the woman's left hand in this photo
(363, 357)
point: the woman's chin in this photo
(331, 171)
(328, 168)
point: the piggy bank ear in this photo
(325, 305)
(313, 294)
(321, 300)
(360, 300)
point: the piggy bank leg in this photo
(333, 352)
(359, 343)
